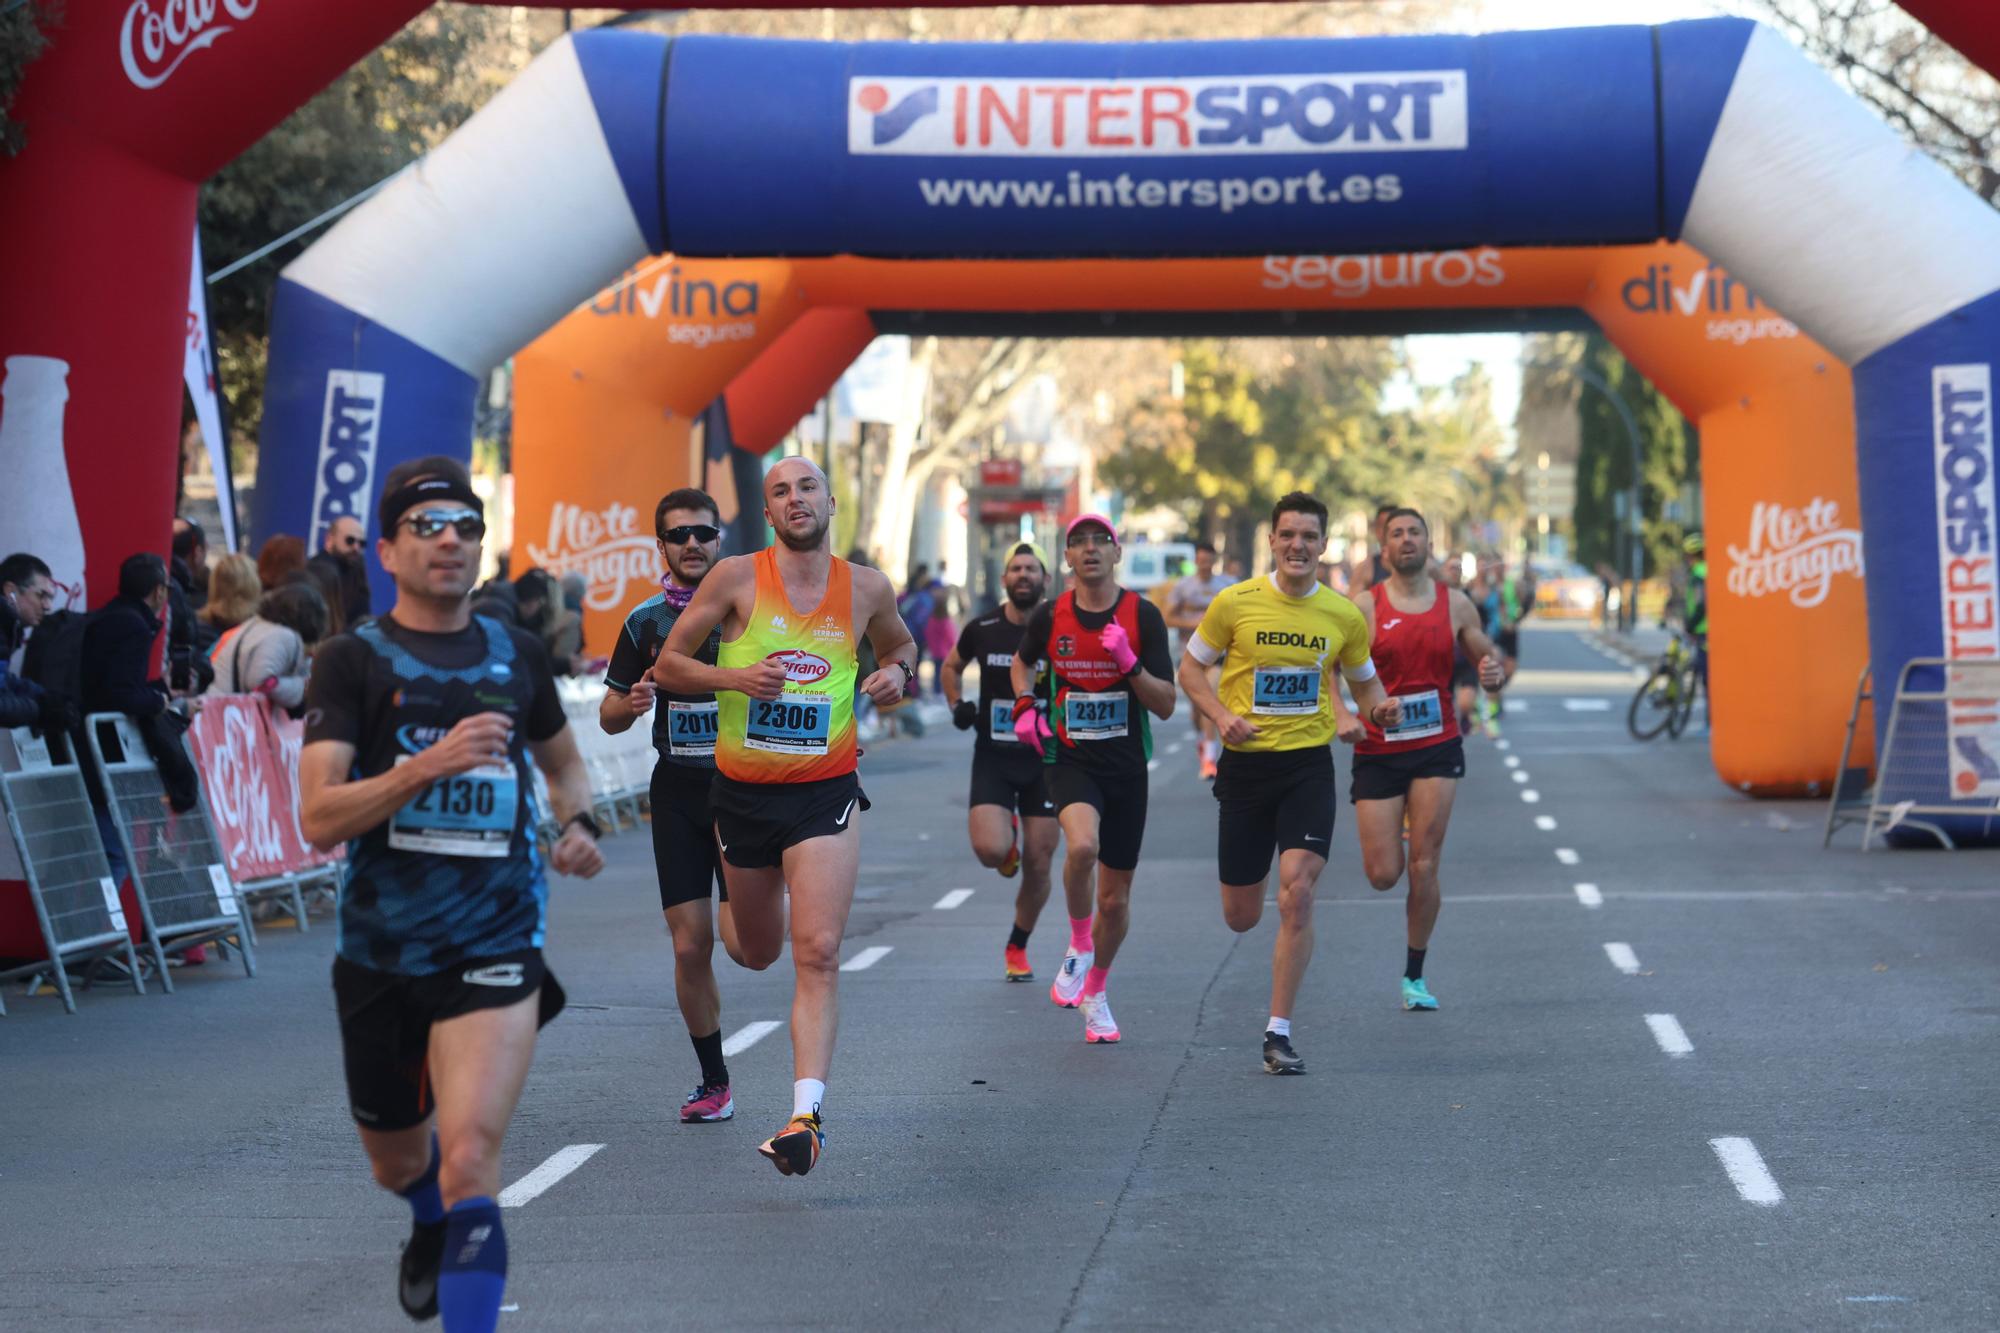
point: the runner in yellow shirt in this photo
(1278, 709)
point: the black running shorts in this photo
(1011, 781)
(1274, 801)
(1385, 777)
(385, 1026)
(1121, 810)
(684, 851)
(757, 821)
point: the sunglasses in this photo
(350, 543)
(1090, 539)
(469, 525)
(701, 532)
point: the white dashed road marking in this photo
(1546, 823)
(953, 899)
(1512, 761)
(1623, 958)
(867, 958)
(1588, 895)
(1519, 774)
(1747, 1172)
(537, 1182)
(1566, 855)
(1667, 1031)
(1587, 705)
(749, 1035)
(1531, 796)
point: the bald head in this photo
(798, 501)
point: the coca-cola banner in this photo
(251, 806)
(288, 737)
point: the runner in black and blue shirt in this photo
(688, 527)
(419, 729)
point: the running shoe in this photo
(1017, 965)
(708, 1102)
(1011, 866)
(1207, 769)
(1068, 985)
(417, 1271)
(1098, 1024)
(1416, 995)
(1279, 1057)
(794, 1150)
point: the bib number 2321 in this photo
(1096, 717)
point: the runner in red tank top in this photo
(1416, 625)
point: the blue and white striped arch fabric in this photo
(614, 145)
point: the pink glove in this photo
(1030, 726)
(1119, 645)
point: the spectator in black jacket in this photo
(340, 555)
(27, 592)
(190, 563)
(118, 646)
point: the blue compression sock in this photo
(426, 1203)
(474, 1275)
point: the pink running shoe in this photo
(1098, 1024)
(706, 1103)
(1068, 984)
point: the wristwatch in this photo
(589, 825)
(909, 672)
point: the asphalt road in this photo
(1532, 1156)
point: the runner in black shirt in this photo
(419, 728)
(1011, 821)
(687, 525)
(1091, 666)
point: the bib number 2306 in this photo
(469, 814)
(794, 724)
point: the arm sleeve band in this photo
(1201, 651)
(1358, 674)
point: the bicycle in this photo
(1665, 701)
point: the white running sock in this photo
(807, 1094)
(1281, 1026)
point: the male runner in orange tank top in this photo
(786, 794)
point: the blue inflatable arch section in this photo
(616, 145)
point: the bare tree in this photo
(1926, 90)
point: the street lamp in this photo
(1629, 613)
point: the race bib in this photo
(1001, 724)
(467, 814)
(1422, 717)
(1285, 691)
(795, 724)
(1096, 717)
(691, 729)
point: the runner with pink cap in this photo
(1091, 666)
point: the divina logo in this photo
(152, 43)
(1235, 114)
(1732, 310)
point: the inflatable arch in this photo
(616, 145)
(609, 392)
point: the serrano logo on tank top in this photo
(801, 666)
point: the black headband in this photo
(421, 491)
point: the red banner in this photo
(288, 737)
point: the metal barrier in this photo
(621, 766)
(184, 891)
(1853, 792)
(69, 880)
(1941, 752)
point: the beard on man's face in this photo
(1024, 593)
(806, 540)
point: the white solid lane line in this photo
(1566, 855)
(1623, 958)
(749, 1035)
(1588, 895)
(867, 958)
(1747, 1171)
(1519, 775)
(537, 1182)
(952, 899)
(1531, 796)
(1546, 823)
(1667, 1031)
